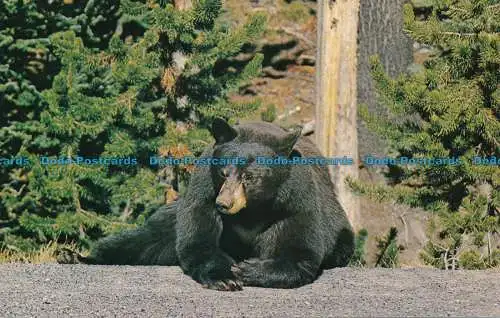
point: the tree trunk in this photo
(336, 111)
(380, 32)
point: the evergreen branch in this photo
(493, 6)
(458, 34)
(14, 192)
(92, 215)
(467, 34)
(384, 244)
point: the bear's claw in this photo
(225, 285)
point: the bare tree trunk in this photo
(336, 112)
(183, 4)
(380, 32)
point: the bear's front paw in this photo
(251, 271)
(216, 274)
(275, 273)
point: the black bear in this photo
(244, 222)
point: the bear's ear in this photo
(285, 146)
(222, 131)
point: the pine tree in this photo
(358, 258)
(27, 66)
(388, 250)
(152, 91)
(451, 108)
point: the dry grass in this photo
(47, 254)
(296, 12)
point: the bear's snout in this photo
(231, 198)
(223, 207)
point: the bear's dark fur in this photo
(252, 224)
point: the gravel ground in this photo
(53, 290)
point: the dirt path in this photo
(122, 291)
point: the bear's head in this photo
(252, 182)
